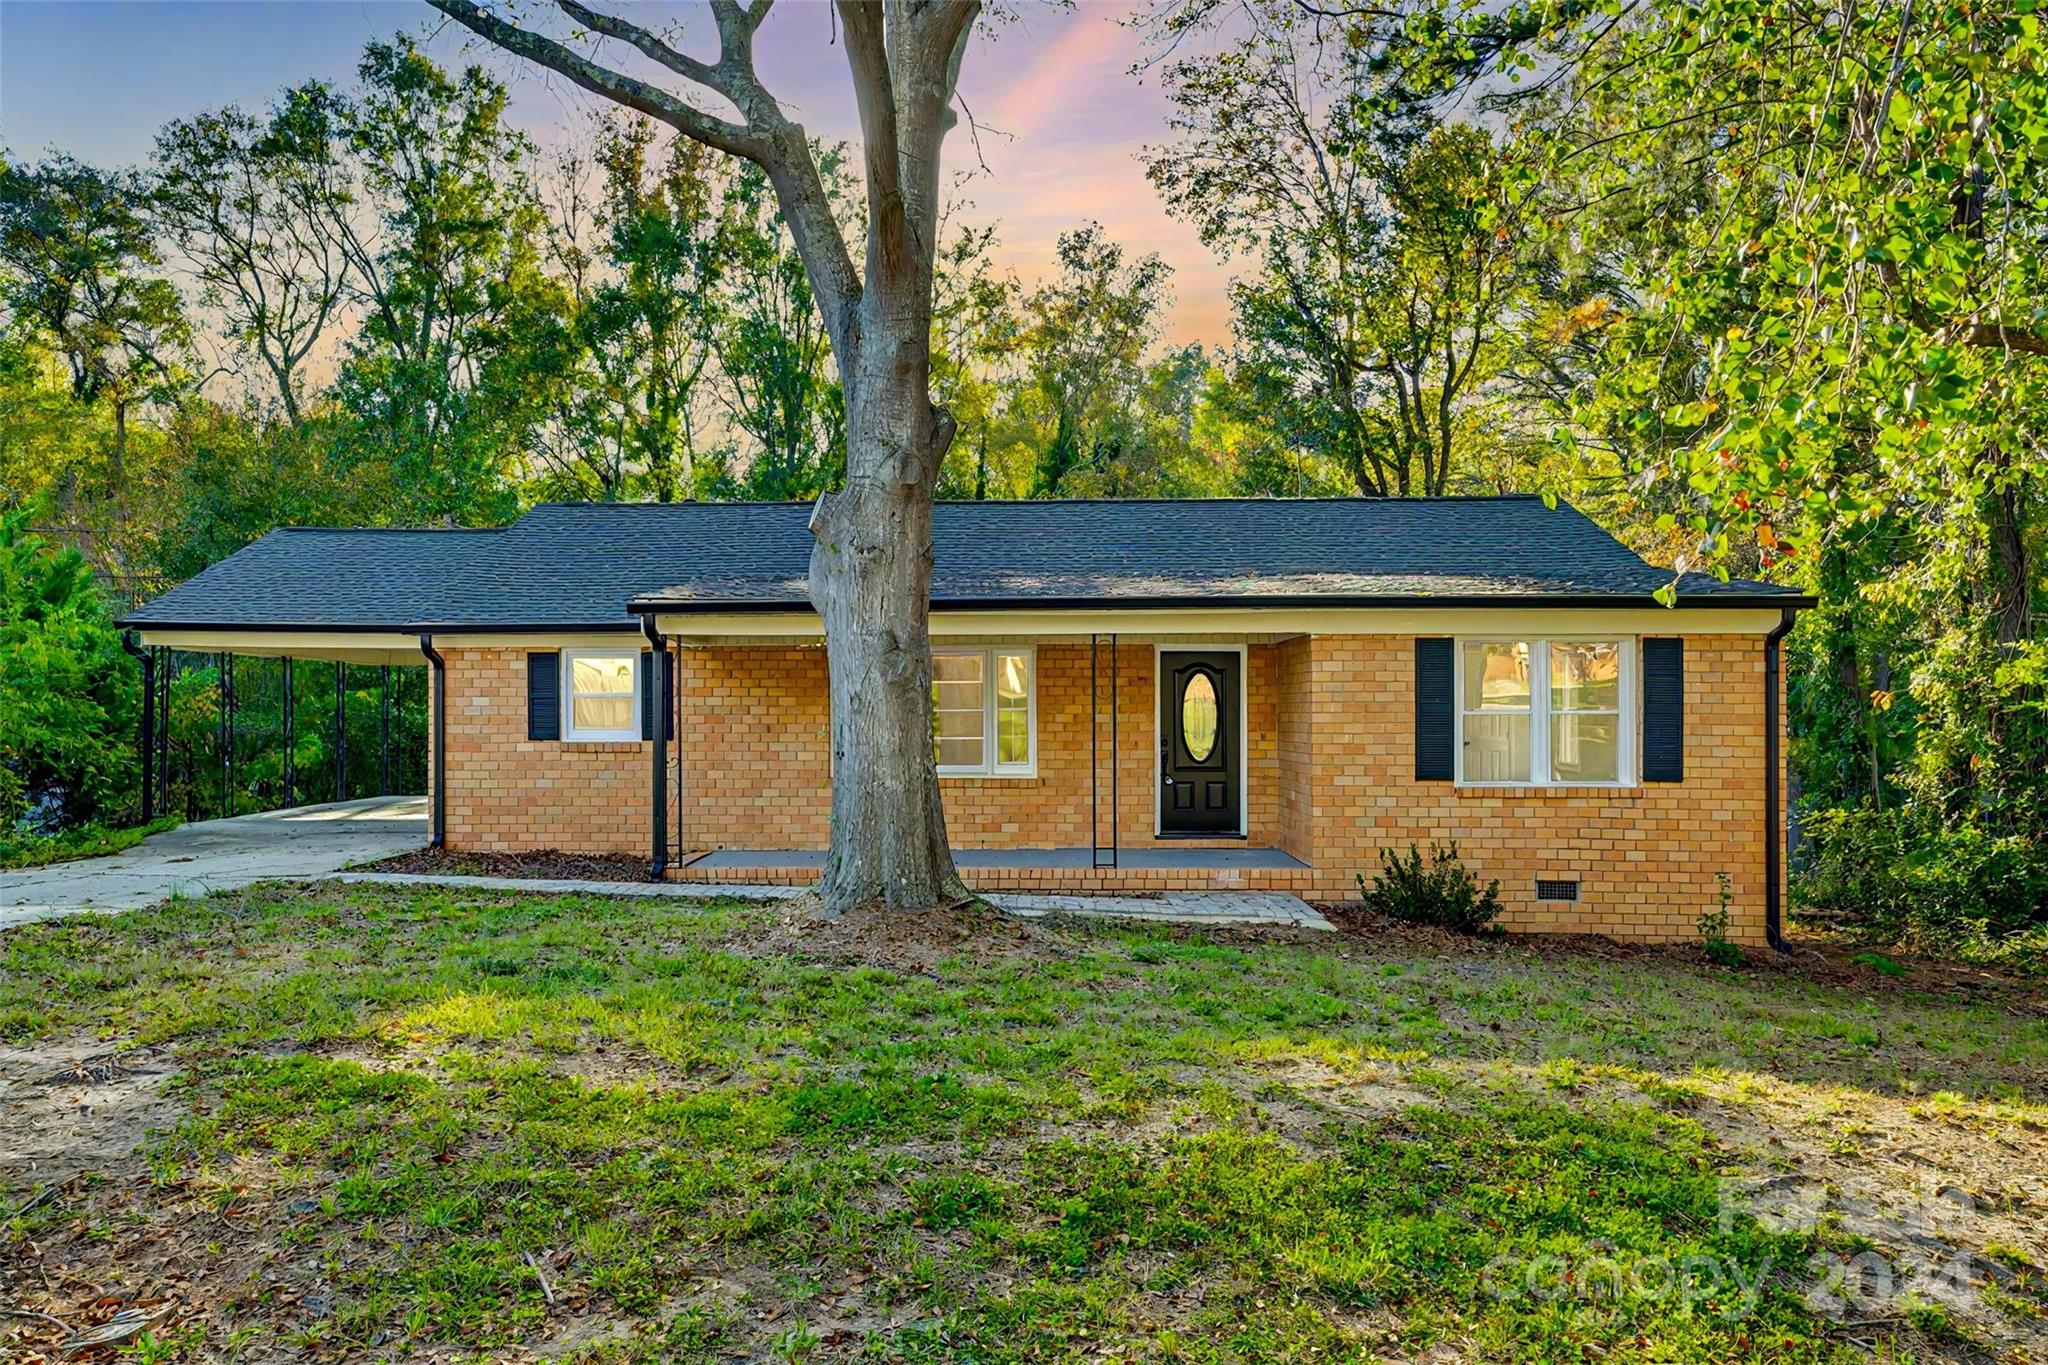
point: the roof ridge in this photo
(1361, 498)
(392, 530)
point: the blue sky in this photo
(98, 77)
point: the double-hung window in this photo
(602, 688)
(983, 704)
(1545, 712)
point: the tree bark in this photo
(870, 579)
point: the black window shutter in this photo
(1664, 710)
(543, 696)
(647, 694)
(1435, 729)
(668, 695)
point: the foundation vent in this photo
(1548, 890)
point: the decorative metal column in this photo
(168, 672)
(1095, 756)
(340, 730)
(291, 748)
(146, 741)
(384, 751)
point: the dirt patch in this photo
(548, 864)
(916, 941)
(1951, 1200)
(1824, 959)
(76, 1106)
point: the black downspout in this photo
(1774, 817)
(658, 669)
(439, 820)
(147, 658)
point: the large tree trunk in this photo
(871, 573)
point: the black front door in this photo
(1200, 768)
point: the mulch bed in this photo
(545, 863)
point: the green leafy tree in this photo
(465, 341)
(776, 378)
(646, 297)
(1083, 342)
(67, 690)
(81, 265)
(1388, 252)
(975, 336)
(250, 205)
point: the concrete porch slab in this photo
(1034, 859)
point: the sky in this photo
(1063, 116)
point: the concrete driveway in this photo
(218, 855)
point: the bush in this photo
(1445, 893)
(1908, 881)
(69, 695)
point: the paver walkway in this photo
(1218, 908)
(218, 855)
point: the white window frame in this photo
(989, 767)
(571, 732)
(1539, 713)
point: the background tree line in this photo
(1759, 287)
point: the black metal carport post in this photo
(147, 658)
(167, 677)
(291, 758)
(340, 730)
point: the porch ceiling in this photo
(354, 647)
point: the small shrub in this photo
(1713, 928)
(1444, 893)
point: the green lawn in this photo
(463, 1122)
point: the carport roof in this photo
(596, 566)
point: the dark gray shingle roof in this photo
(584, 564)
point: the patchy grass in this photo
(351, 1122)
(88, 841)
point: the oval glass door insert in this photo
(1198, 717)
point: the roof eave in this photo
(653, 606)
(403, 628)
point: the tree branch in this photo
(768, 138)
(875, 91)
(687, 119)
(612, 26)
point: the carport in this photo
(162, 650)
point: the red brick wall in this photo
(1645, 857)
(1330, 777)
(756, 742)
(508, 793)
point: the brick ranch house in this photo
(1127, 695)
